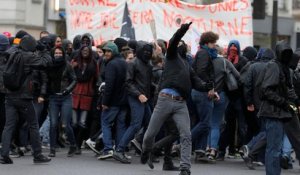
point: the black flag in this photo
(127, 30)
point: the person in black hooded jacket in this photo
(278, 106)
(138, 82)
(20, 102)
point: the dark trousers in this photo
(2, 114)
(20, 108)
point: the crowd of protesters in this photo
(155, 99)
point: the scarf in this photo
(213, 53)
(233, 55)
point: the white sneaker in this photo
(92, 145)
(106, 155)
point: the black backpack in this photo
(13, 74)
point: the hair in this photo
(157, 59)
(208, 37)
(44, 32)
(90, 57)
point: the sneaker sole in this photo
(106, 157)
(120, 160)
(93, 149)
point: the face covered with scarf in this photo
(233, 55)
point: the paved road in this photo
(87, 164)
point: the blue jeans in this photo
(44, 131)
(140, 113)
(216, 120)
(274, 130)
(113, 115)
(204, 109)
(60, 106)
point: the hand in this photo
(74, 64)
(186, 26)
(211, 94)
(104, 107)
(216, 97)
(250, 108)
(158, 49)
(143, 98)
(41, 100)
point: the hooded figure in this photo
(144, 51)
(234, 55)
(252, 77)
(77, 42)
(87, 40)
(28, 44)
(276, 84)
(52, 40)
(120, 42)
(279, 102)
(67, 46)
(250, 53)
(4, 43)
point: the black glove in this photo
(186, 26)
(66, 92)
(40, 46)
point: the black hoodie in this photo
(277, 90)
(256, 69)
(139, 72)
(31, 62)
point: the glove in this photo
(186, 26)
(66, 92)
(101, 87)
(40, 46)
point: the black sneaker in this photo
(41, 159)
(106, 155)
(249, 163)
(169, 166)
(52, 153)
(78, 151)
(150, 161)
(185, 172)
(144, 157)
(72, 151)
(284, 162)
(120, 156)
(6, 160)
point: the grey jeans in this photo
(178, 110)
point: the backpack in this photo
(13, 74)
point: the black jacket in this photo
(256, 69)
(139, 75)
(178, 74)
(277, 89)
(61, 78)
(31, 61)
(115, 78)
(3, 59)
(203, 66)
